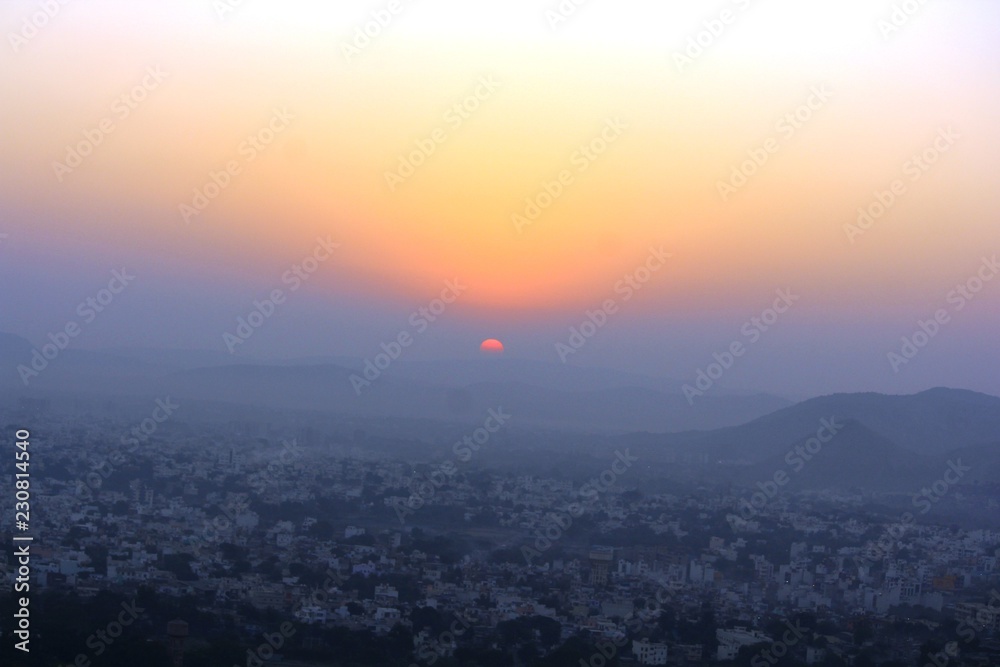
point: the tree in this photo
(179, 565)
(427, 618)
(321, 530)
(549, 630)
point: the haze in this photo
(669, 131)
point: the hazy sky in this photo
(416, 149)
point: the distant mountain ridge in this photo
(930, 422)
(540, 394)
(887, 442)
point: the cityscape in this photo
(545, 333)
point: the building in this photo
(731, 641)
(312, 614)
(177, 632)
(600, 565)
(647, 653)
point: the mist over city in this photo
(570, 333)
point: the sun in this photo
(491, 346)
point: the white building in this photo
(311, 614)
(731, 641)
(647, 653)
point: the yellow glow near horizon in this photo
(357, 117)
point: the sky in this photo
(670, 170)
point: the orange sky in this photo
(680, 132)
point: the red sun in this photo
(491, 346)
